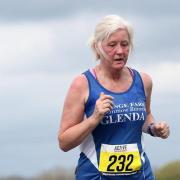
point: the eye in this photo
(124, 43)
(112, 45)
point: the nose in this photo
(119, 49)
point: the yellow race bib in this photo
(119, 159)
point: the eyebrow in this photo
(111, 42)
(123, 41)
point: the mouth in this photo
(119, 59)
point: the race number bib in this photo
(122, 159)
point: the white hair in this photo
(107, 26)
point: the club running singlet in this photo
(114, 150)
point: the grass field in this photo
(170, 171)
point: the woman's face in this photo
(116, 48)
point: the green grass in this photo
(170, 171)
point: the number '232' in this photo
(124, 161)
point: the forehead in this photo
(119, 35)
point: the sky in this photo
(43, 46)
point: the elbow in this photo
(62, 145)
(63, 148)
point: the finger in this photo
(158, 126)
(166, 130)
(108, 105)
(100, 103)
(163, 131)
(108, 101)
(165, 135)
(105, 96)
(164, 127)
(106, 110)
(101, 94)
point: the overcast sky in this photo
(43, 45)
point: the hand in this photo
(103, 105)
(161, 129)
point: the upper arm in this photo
(74, 104)
(147, 81)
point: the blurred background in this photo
(43, 46)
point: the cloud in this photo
(61, 45)
(30, 10)
(156, 41)
(165, 75)
(51, 46)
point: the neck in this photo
(113, 74)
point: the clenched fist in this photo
(103, 105)
(161, 129)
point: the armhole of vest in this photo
(140, 78)
(86, 74)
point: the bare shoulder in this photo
(79, 81)
(147, 81)
(79, 87)
(146, 78)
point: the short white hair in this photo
(107, 26)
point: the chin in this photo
(118, 67)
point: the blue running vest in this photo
(114, 150)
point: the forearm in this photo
(75, 135)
